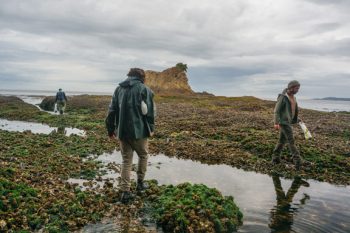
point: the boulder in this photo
(172, 81)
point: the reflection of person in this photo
(61, 130)
(61, 100)
(286, 114)
(131, 112)
(282, 215)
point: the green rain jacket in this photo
(125, 116)
(283, 110)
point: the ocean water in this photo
(47, 92)
(320, 105)
(325, 105)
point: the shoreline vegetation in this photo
(237, 131)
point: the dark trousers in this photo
(286, 136)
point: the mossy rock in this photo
(195, 208)
(7, 172)
(16, 198)
(48, 103)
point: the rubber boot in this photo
(275, 159)
(297, 162)
(126, 197)
(141, 186)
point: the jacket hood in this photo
(130, 81)
(284, 92)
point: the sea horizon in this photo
(316, 103)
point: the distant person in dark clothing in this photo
(131, 119)
(286, 114)
(61, 100)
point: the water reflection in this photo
(37, 128)
(327, 210)
(64, 130)
(61, 130)
(125, 222)
(282, 215)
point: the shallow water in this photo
(269, 204)
(37, 128)
(35, 100)
(325, 105)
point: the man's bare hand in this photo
(277, 126)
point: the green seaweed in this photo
(188, 208)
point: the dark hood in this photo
(130, 81)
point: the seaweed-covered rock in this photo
(48, 103)
(195, 208)
(16, 198)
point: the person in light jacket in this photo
(131, 119)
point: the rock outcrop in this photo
(172, 81)
(48, 103)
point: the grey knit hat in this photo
(293, 84)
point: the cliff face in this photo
(172, 81)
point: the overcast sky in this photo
(232, 48)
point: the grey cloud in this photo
(330, 2)
(325, 27)
(329, 47)
(123, 32)
(226, 44)
(11, 54)
(71, 17)
(221, 73)
(336, 85)
(342, 80)
(10, 77)
(210, 78)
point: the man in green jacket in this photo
(286, 114)
(131, 119)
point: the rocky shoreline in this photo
(236, 131)
(213, 130)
